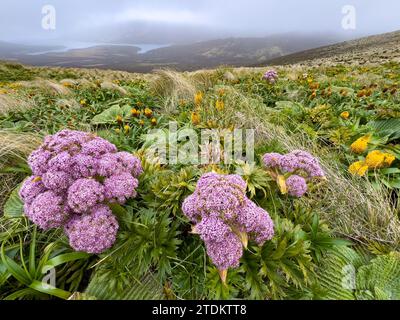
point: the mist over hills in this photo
(124, 54)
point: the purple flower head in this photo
(301, 160)
(61, 162)
(220, 209)
(69, 171)
(256, 222)
(84, 166)
(31, 188)
(38, 161)
(289, 163)
(297, 186)
(48, 210)
(108, 165)
(271, 76)
(130, 163)
(67, 140)
(212, 229)
(98, 147)
(227, 253)
(120, 188)
(190, 208)
(57, 181)
(84, 194)
(271, 160)
(220, 192)
(94, 232)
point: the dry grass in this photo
(173, 86)
(14, 147)
(46, 85)
(13, 103)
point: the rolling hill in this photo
(377, 48)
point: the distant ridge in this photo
(371, 49)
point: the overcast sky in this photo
(20, 20)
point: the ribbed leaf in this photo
(14, 207)
(148, 288)
(386, 127)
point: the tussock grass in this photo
(14, 103)
(14, 147)
(108, 85)
(46, 85)
(173, 86)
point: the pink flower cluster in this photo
(301, 166)
(271, 76)
(75, 176)
(224, 216)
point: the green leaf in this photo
(32, 253)
(147, 288)
(64, 258)
(20, 294)
(386, 127)
(16, 271)
(48, 289)
(107, 116)
(14, 207)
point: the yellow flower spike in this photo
(182, 103)
(389, 158)
(282, 184)
(117, 130)
(127, 128)
(194, 230)
(360, 145)
(119, 119)
(198, 98)
(83, 102)
(219, 105)
(37, 179)
(148, 113)
(223, 275)
(153, 121)
(345, 115)
(358, 168)
(135, 112)
(244, 239)
(141, 123)
(375, 159)
(195, 117)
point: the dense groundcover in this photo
(88, 212)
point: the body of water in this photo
(144, 47)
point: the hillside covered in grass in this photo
(339, 239)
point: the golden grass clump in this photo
(173, 86)
(14, 147)
(46, 85)
(13, 103)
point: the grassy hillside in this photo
(345, 115)
(373, 49)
